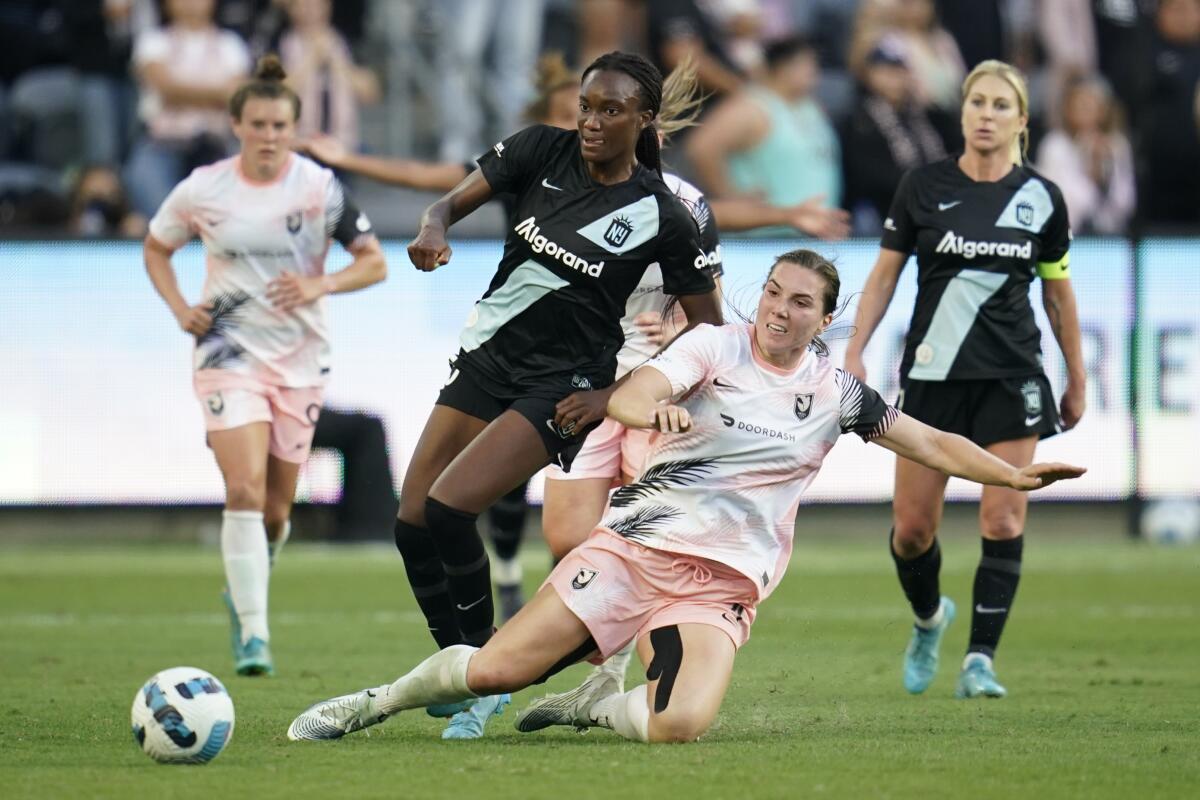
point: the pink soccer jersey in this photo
(252, 232)
(728, 489)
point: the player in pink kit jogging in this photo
(745, 415)
(266, 217)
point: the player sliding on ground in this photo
(746, 414)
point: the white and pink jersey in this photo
(728, 489)
(648, 295)
(252, 232)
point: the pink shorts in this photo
(608, 451)
(622, 591)
(231, 401)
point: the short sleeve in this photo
(710, 240)
(690, 359)
(683, 260)
(235, 55)
(1054, 261)
(344, 223)
(172, 223)
(510, 164)
(150, 48)
(863, 411)
(899, 229)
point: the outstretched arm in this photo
(429, 250)
(962, 458)
(412, 174)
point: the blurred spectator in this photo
(933, 57)
(607, 25)
(320, 68)
(511, 32)
(1169, 140)
(680, 29)
(101, 33)
(888, 134)
(1090, 158)
(829, 24)
(771, 141)
(186, 71)
(741, 24)
(99, 207)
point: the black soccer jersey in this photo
(979, 245)
(575, 250)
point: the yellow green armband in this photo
(1055, 270)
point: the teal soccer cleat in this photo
(921, 657)
(253, 658)
(469, 724)
(978, 679)
(447, 710)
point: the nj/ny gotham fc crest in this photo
(294, 221)
(1025, 213)
(1033, 397)
(803, 406)
(583, 578)
(618, 231)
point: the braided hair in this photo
(650, 82)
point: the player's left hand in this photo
(582, 409)
(813, 218)
(290, 290)
(1039, 476)
(1074, 403)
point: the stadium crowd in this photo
(106, 104)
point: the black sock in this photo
(467, 569)
(428, 580)
(507, 520)
(919, 578)
(995, 588)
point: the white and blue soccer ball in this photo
(182, 715)
(1171, 521)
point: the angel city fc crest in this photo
(1025, 213)
(216, 403)
(294, 221)
(1032, 393)
(618, 231)
(583, 578)
(803, 406)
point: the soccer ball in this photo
(182, 715)
(1175, 521)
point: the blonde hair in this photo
(552, 75)
(1019, 149)
(680, 101)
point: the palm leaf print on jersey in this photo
(640, 525)
(226, 314)
(662, 476)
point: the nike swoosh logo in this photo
(469, 606)
(982, 609)
(717, 382)
(948, 206)
(550, 185)
(1030, 421)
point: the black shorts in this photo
(463, 393)
(985, 411)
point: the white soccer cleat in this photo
(570, 708)
(334, 718)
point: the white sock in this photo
(618, 662)
(507, 572)
(626, 714)
(247, 569)
(441, 678)
(935, 620)
(274, 547)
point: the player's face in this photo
(563, 109)
(610, 116)
(791, 312)
(266, 131)
(991, 115)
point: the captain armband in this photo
(1055, 270)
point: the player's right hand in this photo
(671, 419)
(324, 148)
(429, 250)
(855, 366)
(1038, 476)
(196, 320)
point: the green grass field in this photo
(1102, 661)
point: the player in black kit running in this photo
(538, 353)
(982, 225)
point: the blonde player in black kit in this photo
(538, 353)
(982, 225)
